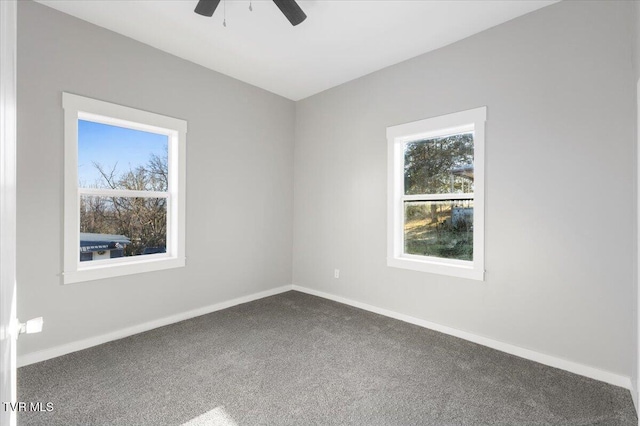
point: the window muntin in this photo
(436, 195)
(124, 190)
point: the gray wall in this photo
(560, 200)
(636, 38)
(560, 92)
(636, 66)
(239, 178)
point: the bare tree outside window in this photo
(140, 219)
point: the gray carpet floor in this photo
(295, 359)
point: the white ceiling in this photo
(340, 40)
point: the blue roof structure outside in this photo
(90, 242)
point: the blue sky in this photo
(108, 145)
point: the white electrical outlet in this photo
(336, 273)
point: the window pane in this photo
(439, 166)
(439, 229)
(120, 158)
(122, 226)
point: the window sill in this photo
(454, 270)
(98, 272)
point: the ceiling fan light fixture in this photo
(289, 9)
(206, 7)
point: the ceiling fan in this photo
(289, 8)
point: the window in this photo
(124, 190)
(436, 195)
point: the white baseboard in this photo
(33, 357)
(563, 364)
(634, 395)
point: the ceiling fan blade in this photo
(291, 10)
(206, 7)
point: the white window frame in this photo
(397, 137)
(82, 108)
